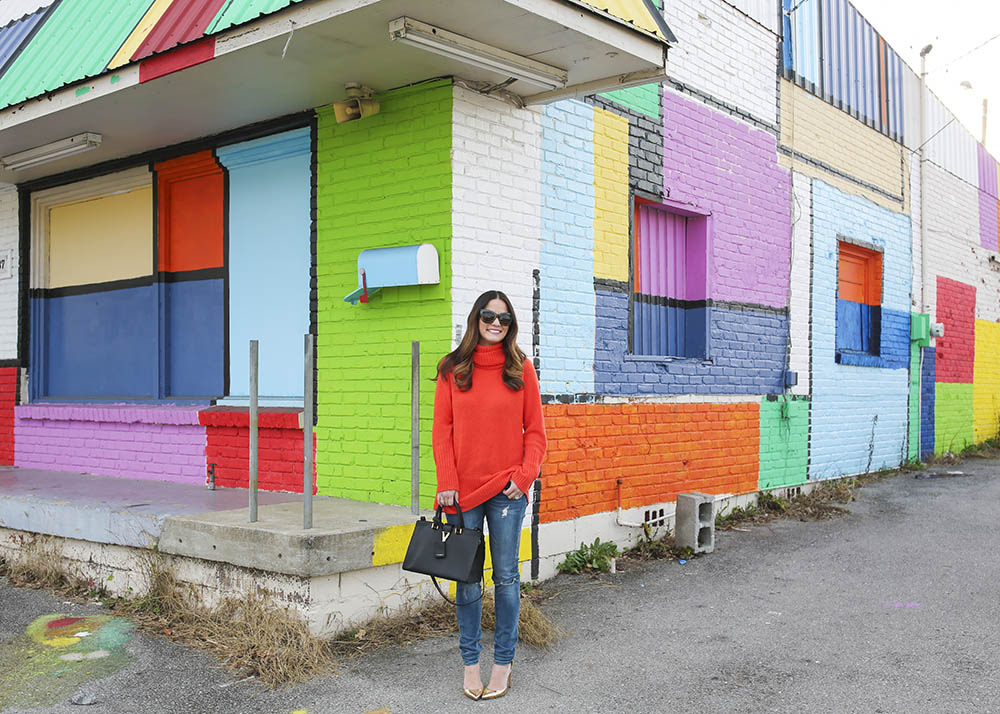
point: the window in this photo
(149, 285)
(859, 300)
(669, 305)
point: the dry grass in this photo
(249, 636)
(821, 503)
(40, 566)
(252, 636)
(437, 620)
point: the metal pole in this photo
(415, 429)
(923, 179)
(253, 431)
(307, 437)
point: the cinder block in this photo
(695, 522)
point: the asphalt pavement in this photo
(892, 609)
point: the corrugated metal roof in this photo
(11, 10)
(138, 36)
(184, 21)
(634, 12)
(12, 36)
(236, 12)
(77, 41)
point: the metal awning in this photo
(301, 57)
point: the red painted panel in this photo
(178, 59)
(183, 22)
(279, 448)
(956, 351)
(8, 398)
(190, 218)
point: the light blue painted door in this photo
(269, 259)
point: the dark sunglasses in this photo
(488, 316)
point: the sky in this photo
(956, 28)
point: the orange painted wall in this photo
(658, 450)
(190, 221)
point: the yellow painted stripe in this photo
(523, 557)
(986, 382)
(107, 238)
(631, 11)
(389, 545)
(611, 233)
(145, 26)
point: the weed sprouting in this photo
(593, 558)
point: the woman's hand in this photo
(447, 498)
(512, 491)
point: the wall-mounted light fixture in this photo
(448, 44)
(51, 152)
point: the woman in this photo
(489, 442)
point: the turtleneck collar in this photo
(489, 356)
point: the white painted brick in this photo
(801, 269)
(496, 205)
(8, 286)
(953, 245)
(724, 53)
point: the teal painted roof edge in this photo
(75, 42)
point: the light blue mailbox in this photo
(392, 267)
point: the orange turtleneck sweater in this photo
(489, 435)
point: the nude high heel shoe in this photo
(497, 693)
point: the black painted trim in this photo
(536, 499)
(183, 276)
(9, 363)
(226, 347)
(146, 280)
(611, 286)
(536, 331)
(671, 302)
(23, 277)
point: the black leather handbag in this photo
(445, 550)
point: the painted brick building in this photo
(712, 234)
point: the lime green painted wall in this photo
(952, 417)
(644, 99)
(382, 181)
(913, 441)
(784, 442)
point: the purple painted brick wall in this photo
(987, 199)
(727, 167)
(155, 443)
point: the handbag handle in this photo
(482, 591)
(440, 510)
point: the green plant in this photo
(593, 558)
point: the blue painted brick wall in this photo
(927, 388)
(566, 274)
(859, 412)
(747, 354)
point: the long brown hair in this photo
(459, 361)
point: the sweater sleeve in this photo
(443, 436)
(534, 431)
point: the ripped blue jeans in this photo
(504, 517)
